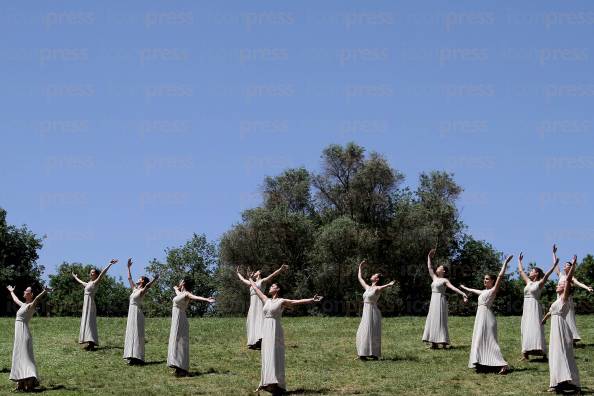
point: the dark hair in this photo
(280, 288)
(446, 270)
(145, 280)
(540, 272)
(492, 277)
(188, 284)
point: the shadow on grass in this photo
(5, 370)
(107, 347)
(459, 348)
(583, 346)
(399, 358)
(304, 391)
(206, 372)
(42, 389)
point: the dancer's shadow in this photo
(583, 346)
(206, 372)
(458, 347)
(42, 389)
(5, 370)
(108, 347)
(154, 363)
(303, 391)
(521, 369)
(399, 358)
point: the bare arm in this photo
(36, 300)
(241, 278)
(282, 268)
(382, 287)
(455, 289)
(261, 295)
(149, 285)
(521, 269)
(198, 298)
(580, 284)
(556, 260)
(544, 319)
(360, 275)
(468, 289)
(429, 264)
(544, 279)
(78, 280)
(130, 280)
(501, 274)
(176, 290)
(14, 297)
(112, 262)
(291, 303)
(569, 281)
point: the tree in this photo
(195, 260)
(18, 260)
(66, 298)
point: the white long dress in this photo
(134, 341)
(254, 317)
(273, 347)
(570, 318)
(178, 353)
(484, 349)
(533, 334)
(436, 325)
(88, 321)
(369, 334)
(562, 366)
(23, 361)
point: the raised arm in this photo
(198, 298)
(78, 280)
(112, 262)
(282, 268)
(241, 278)
(130, 279)
(14, 297)
(501, 274)
(360, 275)
(455, 289)
(176, 290)
(546, 276)
(569, 281)
(521, 269)
(261, 295)
(291, 303)
(429, 264)
(37, 298)
(382, 287)
(469, 290)
(556, 260)
(580, 284)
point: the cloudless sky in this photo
(127, 126)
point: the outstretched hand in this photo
(113, 261)
(317, 298)
(10, 288)
(363, 262)
(574, 259)
(509, 258)
(284, 267)
(392, 283)
(521, 256)
(210, 300)
(129, 262)
(431, 253)
(554, 248)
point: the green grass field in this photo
(320, 359)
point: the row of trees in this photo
(322, 225)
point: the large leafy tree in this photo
(195, 260)
(18, 260)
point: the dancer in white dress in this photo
(134, 339)
(254, 317)
(272, 375)
(485, 355)
(533, 335)
(369, 333)
(436, 326)
(88, 322)
(563, 372)
(178, 352)
(24, 370)
(575, 282)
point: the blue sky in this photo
(127, 127)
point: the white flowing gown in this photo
(254, 317)
(88, 321)
(533, 334)
(436, 325)
(570, 318)
(23, 361)
(485, 350)
(178, 353)
(562, 366)
(369, 334)
(273, 347)
(134, 341)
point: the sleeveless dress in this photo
(562, 366)
(485, 350)
(134, 341)
(570, 318)
(436, 325)
(178, 353)
(533, 334)
(254, 317)
(23, 361)
(369, 334)
(273, 347)
(88, 321)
